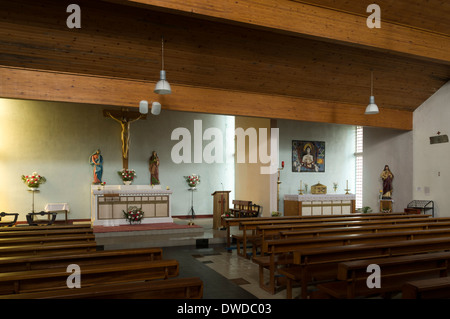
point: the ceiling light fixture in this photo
(156, 108)
(162, 87)
(143, 107)
(372, 108)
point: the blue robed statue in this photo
(96, 159)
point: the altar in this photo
(109, 202)
(326, 204)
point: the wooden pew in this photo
(47, 233)
(395, 271)
(47, 240)
(51, 227)
(234, 221)
(244, 209)
(231, 222)
(306, 231)
(277, 226)
(55, 278)
(173, 288)
(277, 252)
(360, 230)
(22, 263)
(22, 250)
(321, 262)
(435, 288)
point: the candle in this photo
(300, 184)
(347, 184)
(282, 164)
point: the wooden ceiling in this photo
(422, 14)
(122, 40)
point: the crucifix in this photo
(124, 118)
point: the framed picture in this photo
(308, 156)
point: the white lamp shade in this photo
(156, 108)
(372, 108)
(163, 87)
(143, 107)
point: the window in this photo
(359, 167)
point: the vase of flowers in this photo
(33, 181)
(192, 180)
(127, 175)
(133, 215)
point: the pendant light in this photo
(162, 87)
(372, 108)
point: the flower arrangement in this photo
(192, 180)
(33, 180)
(133, 214)
(127, 175)
(335, 186)
(227, 214)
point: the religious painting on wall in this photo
(308, 156)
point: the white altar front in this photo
(109, 202)
(327, 204)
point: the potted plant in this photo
(366, 209)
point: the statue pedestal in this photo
(109, 202)
(386, 205)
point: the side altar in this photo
(319, 204)
(109, 202)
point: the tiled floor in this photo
(225, 275)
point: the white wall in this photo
(339, 156)
(387, 147)
(56, 139)
(431, 161)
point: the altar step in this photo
(197, 235)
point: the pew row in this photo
(234, 221)
(47, 240)
(173, 288)
(307, 231)
(321, 263)
(279, 225)
(47, 232)
(56, 278)
(22, 263)
(435, 288)
(19, 228)
(279, 252)
(22, 250)
(395, 271)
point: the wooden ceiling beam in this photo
(19, 83)
(303, 19)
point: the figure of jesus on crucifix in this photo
(124, 118)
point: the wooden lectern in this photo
(221, 204)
